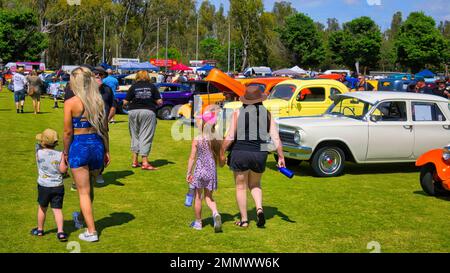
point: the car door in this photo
(391, 135)
(431, 126)
(309, 101)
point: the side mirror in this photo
(374, 118)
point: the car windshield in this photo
(349, 107)
(283, 91)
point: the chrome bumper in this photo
(297, 152)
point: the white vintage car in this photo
(367, 127)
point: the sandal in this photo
(148, 167)
(261, 219)
(134, 165)
(241, 223)
(62, 237)
(37, 232)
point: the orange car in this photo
(435, 171)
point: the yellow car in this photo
(300, 97)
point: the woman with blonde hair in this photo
(142, 100)
(86, 143)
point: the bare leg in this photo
(38, 106)
(254, 185)
(59, 219)
(82, 179)
(135, 159)
(41, 217)
(21, 105)
(34, 106)
(198, 205)
(241, 179)
(210, 201)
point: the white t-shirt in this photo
(53, 88)
(48, 161)
(19, 82)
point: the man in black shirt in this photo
(105, 91)
(441, 89)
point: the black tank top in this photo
(253, 128)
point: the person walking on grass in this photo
(250, 129)
(19, 83)
(205, 154)
(142, 100)
(54, 90)
(112, 83)
(86, 143)
(35, 86)
(51, 167)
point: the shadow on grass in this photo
(445, 196)
(304, 169)
(112, 178)
(269, 213)
(161, 162)
(117, 121)
(114, 219)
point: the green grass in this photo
(143, 211)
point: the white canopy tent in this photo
(299, 70)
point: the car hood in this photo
(314, 121)
(271, 105)
(274, 105)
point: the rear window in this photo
(427, 111)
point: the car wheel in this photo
(328, 161)
(165, 113)
(288, 161)
(429, 185)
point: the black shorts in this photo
(52, 195)
(241, 161)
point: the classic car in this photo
(367, 127)
(173, 94)
(300, 97)
(203, 94)
(435, 171)
(392, 84)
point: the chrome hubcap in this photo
(330, 161)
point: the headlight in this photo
(446, 153)
(297, 137)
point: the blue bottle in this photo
(288, 173)
(189, 196)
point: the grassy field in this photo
(143, 211)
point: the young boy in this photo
(51, 166)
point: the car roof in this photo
(312, 80)
(376, 96)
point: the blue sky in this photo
(379, 10)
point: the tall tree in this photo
(245, 16)
(420, 43)
(301, 36)
(21, 39)
(333, 25)
(395, 25)
(359, 41)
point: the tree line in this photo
(58, 33)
